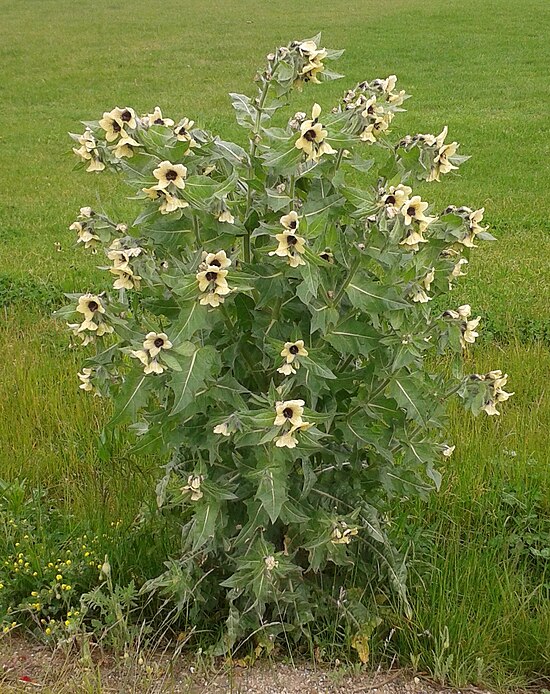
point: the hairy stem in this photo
(353, 269)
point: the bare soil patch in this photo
(26, 666)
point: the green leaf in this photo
(405, 391)
(283, 162)
(245, 112)
(204, 525)
(372, 297)
(272, 489)
(315, 368)
(322, 317)
(307, 289)
(354, 337)
(276, 201)
(132, 396)
(192, 317)
(195, 369)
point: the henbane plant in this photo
(270, 337)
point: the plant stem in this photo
(253, 145)
(351, 273)
(291, 186)
(196, 231)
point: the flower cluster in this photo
(121, 252)
(374, 106)
(153, 346)
(402, 208)
(342, 534)
(171, 181)
(420, 295)
(291, 245)
(212, 278)
(94, 323)
(495, 381)
(472, 226)
(312, 65)
(468, 332)
(85, 228)
(289, 418)
(119, 125)
(437, 157)
(85, 381)
(193, 487)
(88, 150)
(312, 140)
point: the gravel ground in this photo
(26, 666)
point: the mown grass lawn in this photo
(480, 68)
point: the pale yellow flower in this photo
(270, 563)
(85, 380)
(171, 203)
(218, 259)
(310, 71)
(290, 246)
(213, 278)
(469, 333)
(222, 429)
(87, 338)
(420, 296)
(211, 299)
(312, 137)
(289, 411)
(442, 165)
(154, 367)
(341, 535)
(86, 234)
(88, 151)
(448, 451)
(412, 239)
(155, 342)
(398, 98)
(156, 118)
(167, 173)
(90, 305)
(490, 408)
(112, 126)
(374, 130)
(126, 278)
(193, 486)
(141, 355)
(310, 50)
(457, 269)
(104, 329)
(395, 198)
(388, 85)
(287, 369)
(414, 209)
(226, 216)
(370, 108)
(474, 227)
(287, 440)
(124, 147)
(290, 221)
(464, 311)
(292, 350)
(182, 133)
